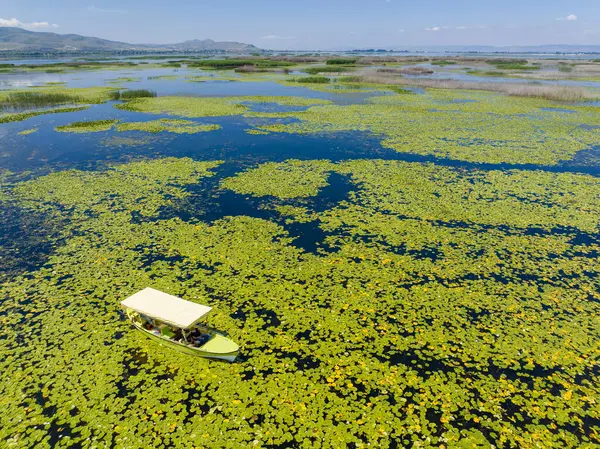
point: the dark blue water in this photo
(47, 149)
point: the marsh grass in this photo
(59, 67)
(324, 69)
(401, 90)
(235, 63)
(486, 73)
(131, 94)
(313, 80)
(518, 67)
(17, 100)
(513, 64)
(501, 61)
(349, 79)
(559, 93)
(407, 71)
(341, 61)
(443, 63)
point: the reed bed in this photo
(560, 93)
(235, 63)
(327, 69)
(313, 80)
(341, 61)
(407, 71)
(513, 64)
(442, 62)
(131, 94)
(37, 99)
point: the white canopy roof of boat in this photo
(166, 308)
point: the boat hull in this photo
(198, 352)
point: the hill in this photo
(20, 40)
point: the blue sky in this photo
(317, 24)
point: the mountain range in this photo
(18, 40)
(14, 39)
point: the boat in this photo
(175, 322)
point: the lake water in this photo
(382, 296)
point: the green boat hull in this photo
(214, 343)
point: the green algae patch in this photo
(167, 125)
(291, 179)
(443, 307)
(163, 78)
(138, 186)
(153, 126)
(472, 126)
(257, 132)
(184, 106)
(20, 116)
(521, 199)
(193, 107)
(283, 101)
(27, 132)
(87, 127)
(123, 79)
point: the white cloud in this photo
(478, 27)
(10, 22)
(272, 37)
(93, 8)
(571, 17)
(433, 29)
(26, 25)
(39, 25)
(400, 31)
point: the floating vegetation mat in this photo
(169, 125)
(26, 132)
(442, 308)
(123, 79)
(471, 126)
(163, 77)
(87, 127)
(209, 106)
(153, 126)
(20, 116)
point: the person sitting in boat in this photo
(171, 333)
(198, 338)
